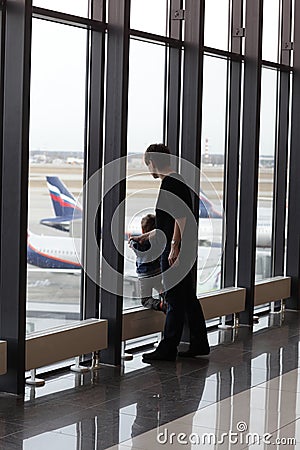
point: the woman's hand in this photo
(173, 255)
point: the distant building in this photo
(214, 159)
(56, 157)
(266, 161)
(135, 160)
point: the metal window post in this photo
(293, 236)
(174, 82)
(231, 168)
(192, 89)
(192, 101)
(281, 155)
(93, 162)
(15, 191)
(250, 156)
(115, 147)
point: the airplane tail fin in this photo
(64, 203)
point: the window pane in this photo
(149, 15)
(74, 7)
(270, 30)
(216, 24)
(266, 173)
(57, 122)
(146, 95)
(212, 173)
(145, 126)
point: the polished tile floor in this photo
(246, 395)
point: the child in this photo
(148, 270)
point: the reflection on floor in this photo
(249, 386)
(260, 417)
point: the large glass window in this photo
(57, 124)
(216, 24)
(74, 7)
(212, 173)
(266, 172)
(271, 26)
(150, 16)
(145, 126)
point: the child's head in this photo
(148, 223)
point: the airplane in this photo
(65, 206)
(67, 209)
(53, 252)
(61, 255)
(59, 252)
(63, 252)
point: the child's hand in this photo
(141, 238)
(136, 238)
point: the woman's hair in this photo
(148, 223)
(159, 154)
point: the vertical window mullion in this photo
(115, 148)
(293, 237)
(231, 169)
(280, 173)
(192, 88)
(174, 82)
(192, 100)
(93, 163)
(250, 156)
(14, 204)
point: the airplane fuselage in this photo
(53, 252)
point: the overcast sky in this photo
(58, 79)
